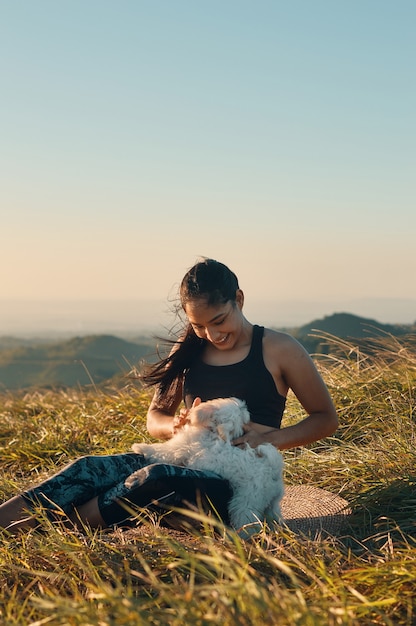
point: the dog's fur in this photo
(255, 475)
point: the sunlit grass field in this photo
(156, 575)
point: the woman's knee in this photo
(85, 463)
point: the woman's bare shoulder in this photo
(279, 340)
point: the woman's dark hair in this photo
(211, 281)
(207, 280)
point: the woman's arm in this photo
(293, 368)
(161, 419)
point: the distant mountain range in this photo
(346, 326)
(93, 359)
(78, 361)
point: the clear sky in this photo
(278, 137)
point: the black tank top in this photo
(249, 380)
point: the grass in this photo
(155, 575)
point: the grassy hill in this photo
(78, 361)
(314, 335)
(151, 575)
(348, 325)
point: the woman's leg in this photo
(15, 515)
(93, 491)
(75, 487)
(161, 486)
(88, 514)
(158, 487)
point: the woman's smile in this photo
(220, 342)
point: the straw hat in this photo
(312, 511)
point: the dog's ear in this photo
(227, 430)
(230, 417)
(242, 408)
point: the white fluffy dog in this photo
(255, 474)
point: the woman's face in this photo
(219, 324)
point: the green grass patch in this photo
(156, 575)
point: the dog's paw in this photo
(141, 448)
(273, 514)
(132, 480)
(248, 530)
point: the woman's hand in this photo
(254, 436)
(181, 419)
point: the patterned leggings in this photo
(105, 476)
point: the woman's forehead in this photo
(199, 311)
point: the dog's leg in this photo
(243, 512)
(273, 513)
(253, 508)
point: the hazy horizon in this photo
(55, 318)
(277, 137)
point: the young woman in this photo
(220, 354)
